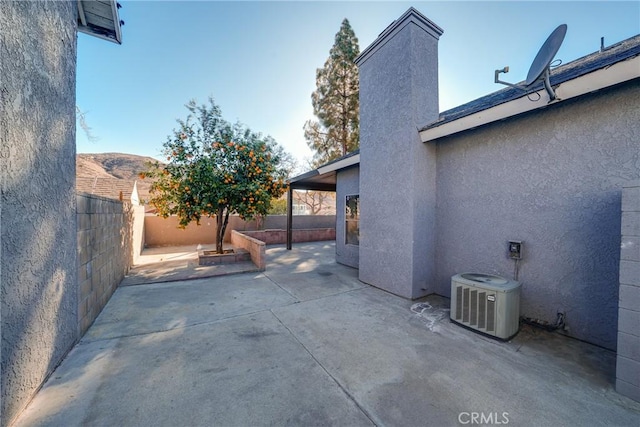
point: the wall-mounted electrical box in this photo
(515, 249)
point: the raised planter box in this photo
(213, 258)
(250, 245)
(255, 247)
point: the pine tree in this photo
(335, 101)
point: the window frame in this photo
(351, 218)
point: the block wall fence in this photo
(106, 242)
(628, 361)
(160, 231)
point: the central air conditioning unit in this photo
(486, 303)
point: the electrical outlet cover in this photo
(515, 249)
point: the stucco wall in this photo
(160, 231)
(37, 151)
(105, 252)
(138, 232)
(347, 184)
(398, 93)
(552, 179)
(628, 363)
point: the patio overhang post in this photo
(322, 179)
(289, 216)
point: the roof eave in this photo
(341, 164)
(304, 176)
(312, 179)
(100, 26)
(614, 74)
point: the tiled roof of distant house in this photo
(111, 188)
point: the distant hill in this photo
(110, 174)
(118, 165)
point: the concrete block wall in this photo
(278, 237)
(254, 246)
(104, 234)
(300, 222)
(160, 231)
(628, 362)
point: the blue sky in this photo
(258, 59)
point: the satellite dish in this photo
(546, 54)
(540, 66)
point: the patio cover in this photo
(322, 179)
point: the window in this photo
(352, 220)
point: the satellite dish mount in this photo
(541, 65)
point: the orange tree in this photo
(216, 169)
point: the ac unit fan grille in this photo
(476, 308)
(491, 314)
(482, 310)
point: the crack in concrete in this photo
(335, 380)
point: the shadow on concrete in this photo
(306, 343)
(177, 263)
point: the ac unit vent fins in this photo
(491, 306)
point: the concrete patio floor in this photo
(306, 343)
(170, 264)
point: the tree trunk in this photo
(220, 230)
(222, 219)
(224, 229)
